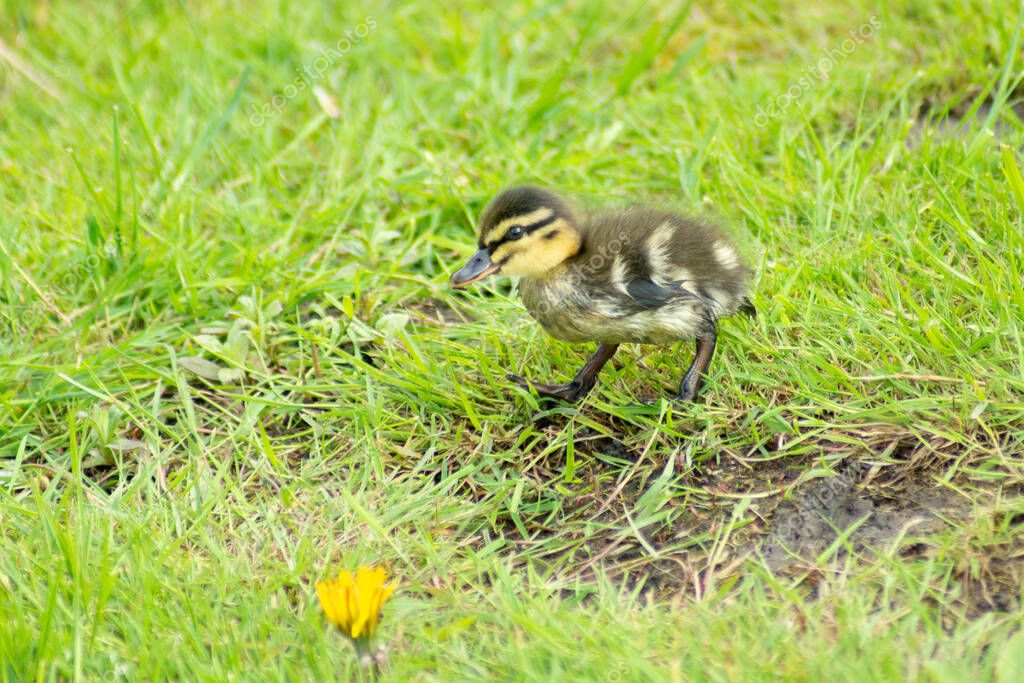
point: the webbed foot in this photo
(571, 392)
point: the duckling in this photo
(639, 275)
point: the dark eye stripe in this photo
(527, 229)
(539, 224)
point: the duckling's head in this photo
(524, 232)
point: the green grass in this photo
(161, 214)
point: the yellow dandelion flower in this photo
(352, 603)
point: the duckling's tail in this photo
(747, 308)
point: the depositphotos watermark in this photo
(819, 501)
(816, 73)
(69, 282)
(568, 289)
(312, 72)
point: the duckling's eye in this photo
(515, 232)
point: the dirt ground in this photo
(800, 520)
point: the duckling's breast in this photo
(562, 308)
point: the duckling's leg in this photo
(582, 383)
(691, 380)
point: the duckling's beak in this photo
(477, 268)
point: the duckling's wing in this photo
(648, 295)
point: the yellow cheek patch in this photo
(535, 256)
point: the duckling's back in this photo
(665, 248)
